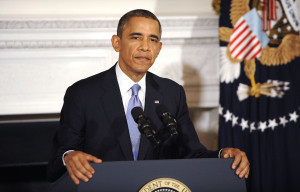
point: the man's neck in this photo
(134, 76)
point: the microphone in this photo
(167, 119)
(144, 124)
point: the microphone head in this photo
(136, 112)
(161, 109)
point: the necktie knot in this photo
(135, 89)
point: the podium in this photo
(182, 175)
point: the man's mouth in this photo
(143, 57)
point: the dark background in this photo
(24, 153)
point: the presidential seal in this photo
(164, 185)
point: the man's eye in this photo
(134, 37)
(154, 40)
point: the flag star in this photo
(272, 123)
(279, 29)
(293, 116)
(234, 120)
(252, 127)
(283, 120)
(221, 110)
(227, 116)
(244, 124)
(262, 126)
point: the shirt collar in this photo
(125, 83)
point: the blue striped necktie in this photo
(133, 127)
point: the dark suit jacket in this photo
(93, 121)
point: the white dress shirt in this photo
(125, 84)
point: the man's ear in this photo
(115, 41)
(160, 46)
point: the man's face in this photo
(139, 46)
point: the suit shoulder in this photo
(90, 82)
(165, 82)
(87, 81)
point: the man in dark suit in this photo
(94, 124)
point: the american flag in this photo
(246, 41)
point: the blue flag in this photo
(259, 110)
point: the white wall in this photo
(101, 8)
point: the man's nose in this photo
(145, 45)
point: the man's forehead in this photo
(137, 25)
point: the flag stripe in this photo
(236, 37)
(265, 15)
(272, 10)
(255, 50)
(257, 54)
(240, 30)
(245, 48)
(249, 48)
(239, 23)
(246, 36)
(242, 46)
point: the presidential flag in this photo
(259, 110)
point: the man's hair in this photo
(135, 13)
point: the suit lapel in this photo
(152, 94)
(113, 106)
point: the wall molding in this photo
(34, 44)
(76, 33)
(92, 23)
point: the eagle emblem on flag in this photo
(274, 45)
